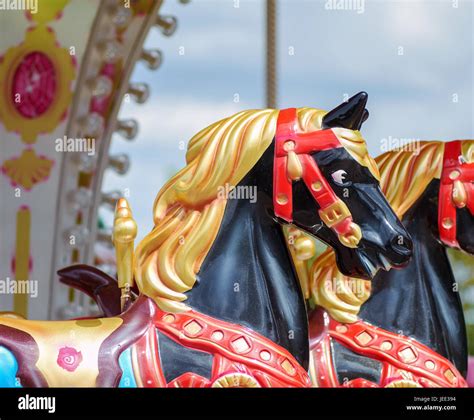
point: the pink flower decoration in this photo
(69, 358)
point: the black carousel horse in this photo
(421, 301)
(246, 320)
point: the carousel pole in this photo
(271, 65)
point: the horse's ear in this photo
(350, 114)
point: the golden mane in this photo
(340, 295)
(405, 174)
(188, 210)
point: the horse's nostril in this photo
(402, 245)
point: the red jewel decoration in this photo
(35, 82)
(69, 358)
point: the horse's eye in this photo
(340, 177)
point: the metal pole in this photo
(271, 70)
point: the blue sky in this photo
(425, 93)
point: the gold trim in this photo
(403, 383)
(386, 345)
(236, 380)
(289, 368)
(22, 258)
(459, 194)
(193, 327)
(450, 376)
(334, 213)
(454, 174)
(300, 256)
(294, 169)
(447, 223)
(351, 238)
(13, 315)
(316, 186)
(282, 199)
(28, 169)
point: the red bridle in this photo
(293, 161)
(456, 190)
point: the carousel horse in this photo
(219, 302)
(410, 332)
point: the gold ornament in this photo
(403, 383)
(124, 234)
(236, 380)
(459, 194)
(27, 170)
(304, 248)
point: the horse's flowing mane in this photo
(340, 295)
(189, 209)
(405, 174)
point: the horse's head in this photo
(326, 184)
(456, 196)
(300, 166)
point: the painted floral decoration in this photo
(69, 358)
(35, 84)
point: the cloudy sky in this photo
(413, 57)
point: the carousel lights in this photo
(120, 15)
(101, 86)
(127, 128)
(153, 58)
(102, 94)
(110, 50)
(119, 163)
(139, 91)
(167, 24)
(79, 199)
(85, 161)
(92, 125)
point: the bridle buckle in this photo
(335, 213)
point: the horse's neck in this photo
(247, 277)
(421, 300)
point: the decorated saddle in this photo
(124, 351)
